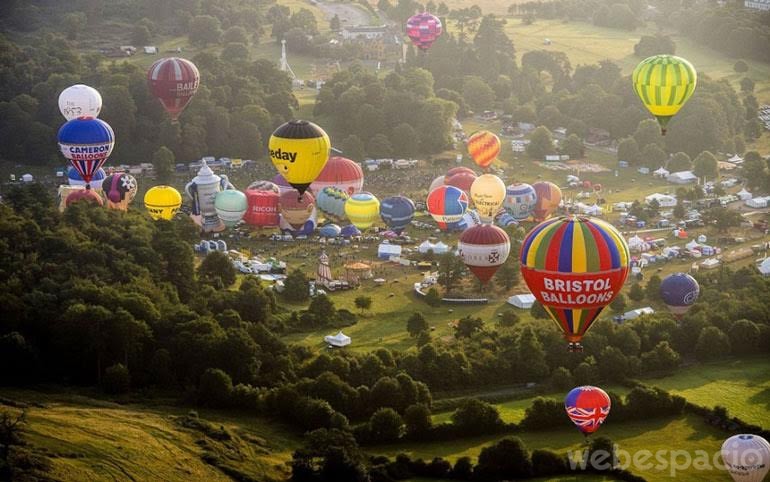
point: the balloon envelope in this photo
(331, 201)
(299, 150)
(487, 194)
(350, 231)
(230, 205)
(173, 81)
(548, 199)
(484, 147)
(341, 173)
(439, 181)
(262, 210)
(296, 210)
(461, 180)
(87, 143)
(423, 29)
(75, 179)
(84, 195)
(587, 407)
(575, 266)
(80, 101)
(520, 200)
(484, 248)
(162, 202)
(265, 186)
(746, 457)
(330, 231)
(679, 292)
(362, 209)
(664, 83)
(120, 189)
(397, 212)
(447, 204)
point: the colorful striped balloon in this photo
(664, 83)
(447, 204)
(547, 201)
(363, 209)
(575, 266)
(484, 147)
(423, 29)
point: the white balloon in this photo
(746, 457)
(80, 100)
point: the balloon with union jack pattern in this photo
(87, 142)
(174, 81)
(587, 407)
(423, 29)
(574, 266)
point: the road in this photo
(350, 14)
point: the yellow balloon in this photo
(299, 150)
(363, 209)
(664, 83)
(162, 202)
(488, 194)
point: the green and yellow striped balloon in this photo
(664, 83)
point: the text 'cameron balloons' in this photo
(447, 204)
(75, 179)
(679, 292)
(746, 457)
(575, 266)
(299, 150)
(84, 195)
(484, 147)
(162, 202)
(262, 210)
(174, 81)
(296, 210)
(520, 200)
(548, 199)
(230, 206)
(397, 212)
(487, 194)
(664, 83)
(120, 189)
(80, 101)
(423, 29)
(87, 143)
(341, 173)
(331, 201)
(362, 209)
(484, 248)
(587, 407)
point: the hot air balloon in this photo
(487, 194)
(520, 200)
(174, 81)
(299, 150)
(83, 195)
(331, 201)
(679, 292)
(262, 210)
(447, 204)
(282, 184)
(120, 189)
(362, 209)
(295, 211)
(664, 83)
(230, 205)
(439, 181)
(303, 229)
(484, 248)
(503, 219)
(470, 218)
(746, 457)
(341, 173)
(397, 212)
(461, 180)
(423, 29)
(265, 186)
(330, 231)
(87, 143)
(484, 147)
(80, 101)
(587, 407)
(575, 266)
(459, 169)
(74, 178)
(548, 199)
(162, 202)
(349, 231)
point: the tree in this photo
(507, 459)
(204, 30)
(405, 140)
(741, 67)
(363, 302)
(163, 163)
(621, 16)
(561, 379)
(380, 147)
(543, 413)
(117, 379)
(530, 356)
(507, 276)
(653, 156)
(628, 151)
(601, 455)
(468, 326)
(235, 35)
(546, 463)
(679, 162)
(744, 336)
(215, 388)
(217, 269)
(305, 20)
(747, 85)
(322, 308)
(706, 166)
(416, 324)
(386, 425)
(652, 290)
(648, 132)
(573, 147)
(432, 298)
(654, 45)
(636, 292)
(619, 304)
(417, 419)
(334, 24)
(296, 287)
(141, 35)
(540, 143)
(661, 358)
(712, 344)
(538, 312)
(477, 93)
(723, 218)
(73, 24)
(450, 270)
(508, 319)
(353, 148)
(474, 417)
(613, 364)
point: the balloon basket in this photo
(575, 348)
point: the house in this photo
(630, 315)
(757, 4)
(519, 145)
(524, 301)
(660, 172)
(757, 202)
(682, 177)
(364, 32)
(664, 200)
(150, 50)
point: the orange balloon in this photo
(484, 147)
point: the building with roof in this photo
(682, 177)
(523, 301)
(757, 4)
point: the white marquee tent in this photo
(338, 340)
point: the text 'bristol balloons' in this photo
(447, 204)
(295, 211)
(299, 150)
(587, 407)
(423, 29)
(664, 83)
(679, 292)
(488, 194)
(262, 210)
(484, 248)
(162, 202)
(80, 101)
(746, 457)
(397, 212)
(575, 266)
(174, 81)
(120, 189)
(362, 209)
(484, 147)
(341, 173)
(84, 195)
(520, 200)
(331, 201)
(75, 179)
(87, 143)
(230, 205)
(548, 199)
